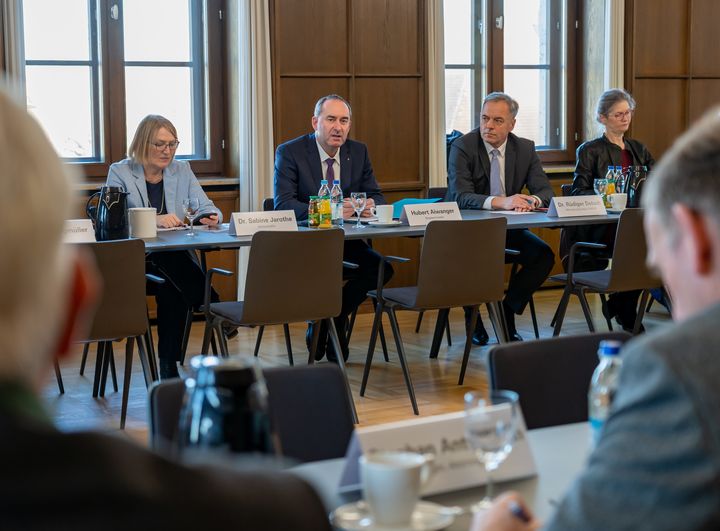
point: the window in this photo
(95, 68)
(523, 47)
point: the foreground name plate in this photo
(248, 223)
(78, 231)
(579, 205)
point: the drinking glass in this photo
(191, 205)
(600, 187)
(358, 199)
(491, 420)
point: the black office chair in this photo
(308, 407)
(551, 376)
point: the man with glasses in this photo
(488, 168)
(657, 462)
(327, 153)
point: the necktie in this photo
(495, 178)
(330, 175)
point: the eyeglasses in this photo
(621, 115)
(160, 146)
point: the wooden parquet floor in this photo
(386, 397)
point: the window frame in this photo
(108, 73)
(488, 70)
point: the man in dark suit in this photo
(488, 169)
(56, 480)
(300, 165)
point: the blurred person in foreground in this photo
(154, 178)
(657, 463)
(54, 480)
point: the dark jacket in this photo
(594, 157)
(298, 172)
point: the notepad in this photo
(399, 205)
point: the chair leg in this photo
(58, 377)
(314, 342)
(468, 343)
(497, 315)
(586, 309)
(533, 316)
(288, 344)
(439, 332)
(419, 321)
(333, 335)
(99, 362)
(218, 328)
(86, 348)
(109, 355)
(145, 361)
(186, 335)
(351, 326)
(649, 305)
(383, 342)
(371, 347)
(126, 380)
(150, 354)
(258, 340)
(403, 362)
(641, 311)
(560, 312)
(606, 311)
(113, 372)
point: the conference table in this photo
(220, 238)
(560, 453)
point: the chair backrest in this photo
(462, 263)
(566, 189)
(439, 192)
(308, 406)
(268, 204)
(121, 311)
(294, 276)
(629, 269)
(551, 376)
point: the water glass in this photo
(191, 206)
(358, 200)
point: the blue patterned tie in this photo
(495, 178)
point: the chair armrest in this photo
(512, 252)
(154, 278)
(350, 265)
(577, 246)
(397, 259)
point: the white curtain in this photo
(11, 12)
(254, 113)
(436, 94)
(614, 43)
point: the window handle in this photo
(499, 21)
(114, 12)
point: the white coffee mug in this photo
(384, 213)
(143, 222)
(618, 201)
(391, 485)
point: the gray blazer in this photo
(657, 464)
(179, 183)
(469, 170)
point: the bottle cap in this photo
(324, 181)
(336, 181)
(609, 348)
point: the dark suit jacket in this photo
(298, 173)
(469, 170)
(76, 481)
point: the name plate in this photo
(455, 465)
(575, 206)
(425, 213)
(248, 223)
(78, 231)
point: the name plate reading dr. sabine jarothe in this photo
(579, 205)
(423, 214)
(248, 223)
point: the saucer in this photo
(427, 516)
(392, 223)
(614, 210)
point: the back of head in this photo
(35, 199)
(689, 173)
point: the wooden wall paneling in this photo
(660, 30)
(386, 37)
(388, 118)
(296, 100)
(704, 93)
(661, 114)
(311, 36)
(704, 57)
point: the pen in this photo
(517, 511)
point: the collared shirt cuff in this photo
(538, 201)
(487, 205)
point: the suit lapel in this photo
(345, 167)
(485, 163)
(510, 155)
(170, 187)
(139, 181)
(314, 161)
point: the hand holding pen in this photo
(508, 512)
